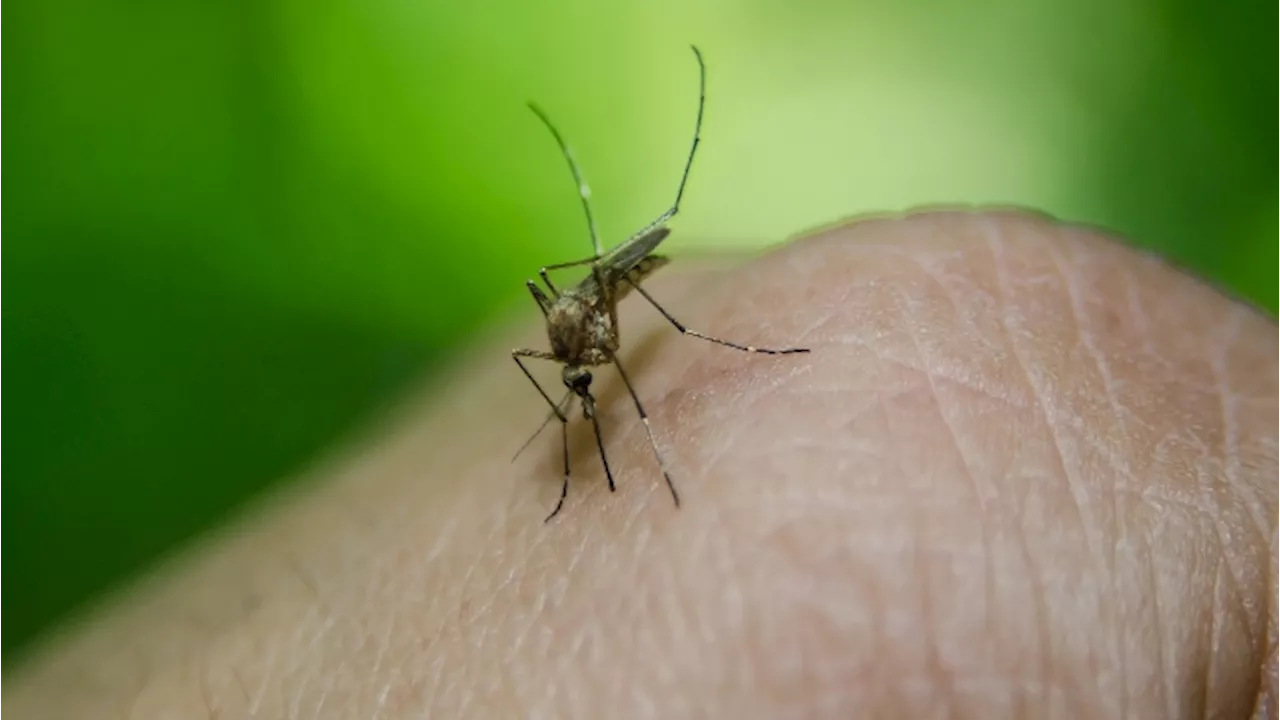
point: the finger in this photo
(1023, 471)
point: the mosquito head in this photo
(578, 379)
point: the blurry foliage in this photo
(235, 228)
(1187, 166)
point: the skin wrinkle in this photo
(1206, 511)
(950, 424)
(1059, 420)
(1019, 499)
(203, 676)
(1085, 337)
(995, 244)
(382, 645)
(878, 611)
(735, 589)
(1044, 644)
(318, 712)
(1229, 407)
(1008, 395)
(931, 659)
(1120, 469)
(1085, 334)
(1180, 656)
(1163, 656)
(292, 698)
(627, 658)
(1019, 403)
(944, 686)
(1194, 667)
(1215, 626)
(931, 681)
(947, 689)
(1230, 433)
(1265, 707)
(430, 512)
(1120, 614)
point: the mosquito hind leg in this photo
(538, 355)
(694, 333)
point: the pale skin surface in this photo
(1024, 473)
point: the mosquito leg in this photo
(571, 263)
(539, 355)
(694, 333)
(564, 410)
(589, 404)
(542, 273)
(544, 303)
(556, 412)
(644, 418)
(564, 489)
(697, 138)
(584, 191)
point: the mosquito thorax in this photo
(579, 331)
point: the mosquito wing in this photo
(642, 270)
(622, 259)
(632, 259)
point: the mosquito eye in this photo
(582, 382)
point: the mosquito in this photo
(582, 321)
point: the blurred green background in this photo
(237, 228)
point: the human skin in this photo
(1025, 472)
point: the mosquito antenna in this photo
(693, 150)
(584, 190)
(563, 406)
(697, 127)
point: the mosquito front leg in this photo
(694, 333)
(546, 280)
(542, 273)
(539, 355)
(544, 303)
(553, 415)
(557, 413)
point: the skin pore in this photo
(1025, 472)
